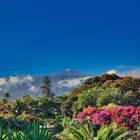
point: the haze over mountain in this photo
(62, 83)
(65, 81)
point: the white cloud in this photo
(71, 83)
(20, 80)
(112, 72)
(3, 81)
(126, 71)
(28, 78)
(32, 88)
(134, 72)
(14, 80)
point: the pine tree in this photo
(46, 88)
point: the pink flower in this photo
(127, 116)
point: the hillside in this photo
(102, 90)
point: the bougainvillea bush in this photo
(125, 116)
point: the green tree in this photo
(17, 108)
(7, 96)
(46, 88)
(47, 108)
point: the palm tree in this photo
(83, 133)
(7, 95)
(110, 133)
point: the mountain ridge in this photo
(62, 83)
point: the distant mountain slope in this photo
(62, 83)
(68, 74)
(65, 81)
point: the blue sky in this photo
(46, 36)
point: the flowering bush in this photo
(3, 107)
(126, 116)
(13, 122)
(6, 116)
(28, 117)
(87, 113)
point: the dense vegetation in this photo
(100, 91)
(103, 108)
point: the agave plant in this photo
(34, 133)
(37, 133)
(4, 133)
(18, 136)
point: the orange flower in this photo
(7, 116)
(28, 117)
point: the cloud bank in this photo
(15, 80)
(72, 82)
(126, 71)
(3, 81)
(7, 83)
